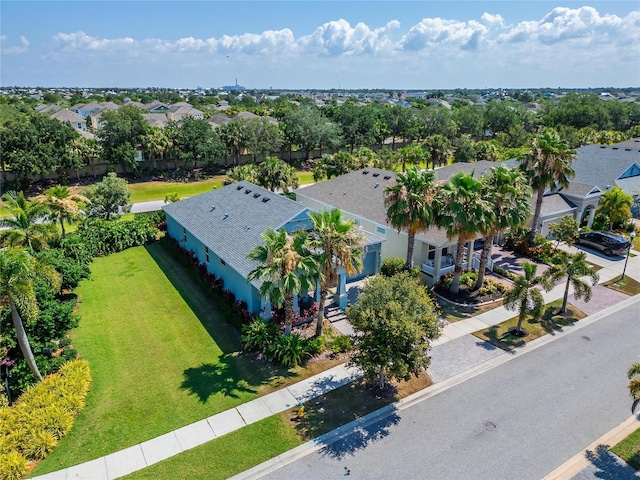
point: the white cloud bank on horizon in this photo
(583, 27)
(570, 47)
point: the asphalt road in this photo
(546, 406)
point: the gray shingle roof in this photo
(235, 226)
(356, 193)
(601, 165)
(554, 203)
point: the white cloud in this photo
(340, 38)
(434, 32)
(80, 41)
(14, 49)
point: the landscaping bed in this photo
(549, 322)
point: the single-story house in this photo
(223, 225)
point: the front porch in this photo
(441, 260)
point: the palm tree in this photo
(274, 173)
(573, 268)
(17, 271)
(439, 149)
(62, 204)
(339, 245)
(461, 210)
(25, 224)
(155, 143)
(409, 202)
(247, 172)
(634, 383)
(547, 164)
(287, 268)
(507, 194)
(616, 204)
(526, 297)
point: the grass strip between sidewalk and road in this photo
(549, 322)
(627, 285)
(629, 449)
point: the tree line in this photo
(34, 145)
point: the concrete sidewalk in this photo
(455, 354)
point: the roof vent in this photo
(615, 148)
(376, 175)
(265, 200)
(603, 146)
(226, 215)
(239, 187)
(365, 172)
(387, 177)
(247, 191)
(213, 207)
(256, 195)
(627, 149)
(376, 185)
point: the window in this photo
(381, 230)
(184, 234)
(206, 254)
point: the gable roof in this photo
(156, 119)
(235, 226)
(65, 115)
(602, 165)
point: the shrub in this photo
(288, 350)
(69, 354)
(103, 237)
(392, 266)
(341, 344)
(65, 341)
(44, 413)
(313, 346)
(13, 466)
(258, 334)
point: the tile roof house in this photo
(223, 225)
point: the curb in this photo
(321, 442)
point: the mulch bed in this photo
(466, 296)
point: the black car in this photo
(607, 242)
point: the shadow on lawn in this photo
(608, 466)
(210, 379)
(197, 296)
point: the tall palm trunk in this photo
(522, 314)
(288, 313)
(487, 248)
(64, 234)
(565, 299)
(408, 264)
(457, 271)
(536, 216)
(320, 321)
(23, 341)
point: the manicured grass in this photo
(161, 356)
(628, 285)
(305, 177)
(147, 191)
(454, 313)
(629, 449)
(499, 334)
(228, 455)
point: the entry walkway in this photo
(449, 359)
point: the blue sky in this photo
(321, 44)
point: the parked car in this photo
(607, 242)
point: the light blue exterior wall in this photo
(370, 262)
(233, 281)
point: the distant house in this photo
(63, 115)
(156, 107)
(222, 226)
(183, 110)
(156, 119)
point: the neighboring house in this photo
(156, 119)
(179, 111)
(217, 120)
(78, 122)
(156, 107)
(47, 109)
(222, 226)
(360, 195)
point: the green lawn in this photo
(228, 455)
(629, 449)
(147, 191)
(161, 357)
(550, 321)
(628, 285)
